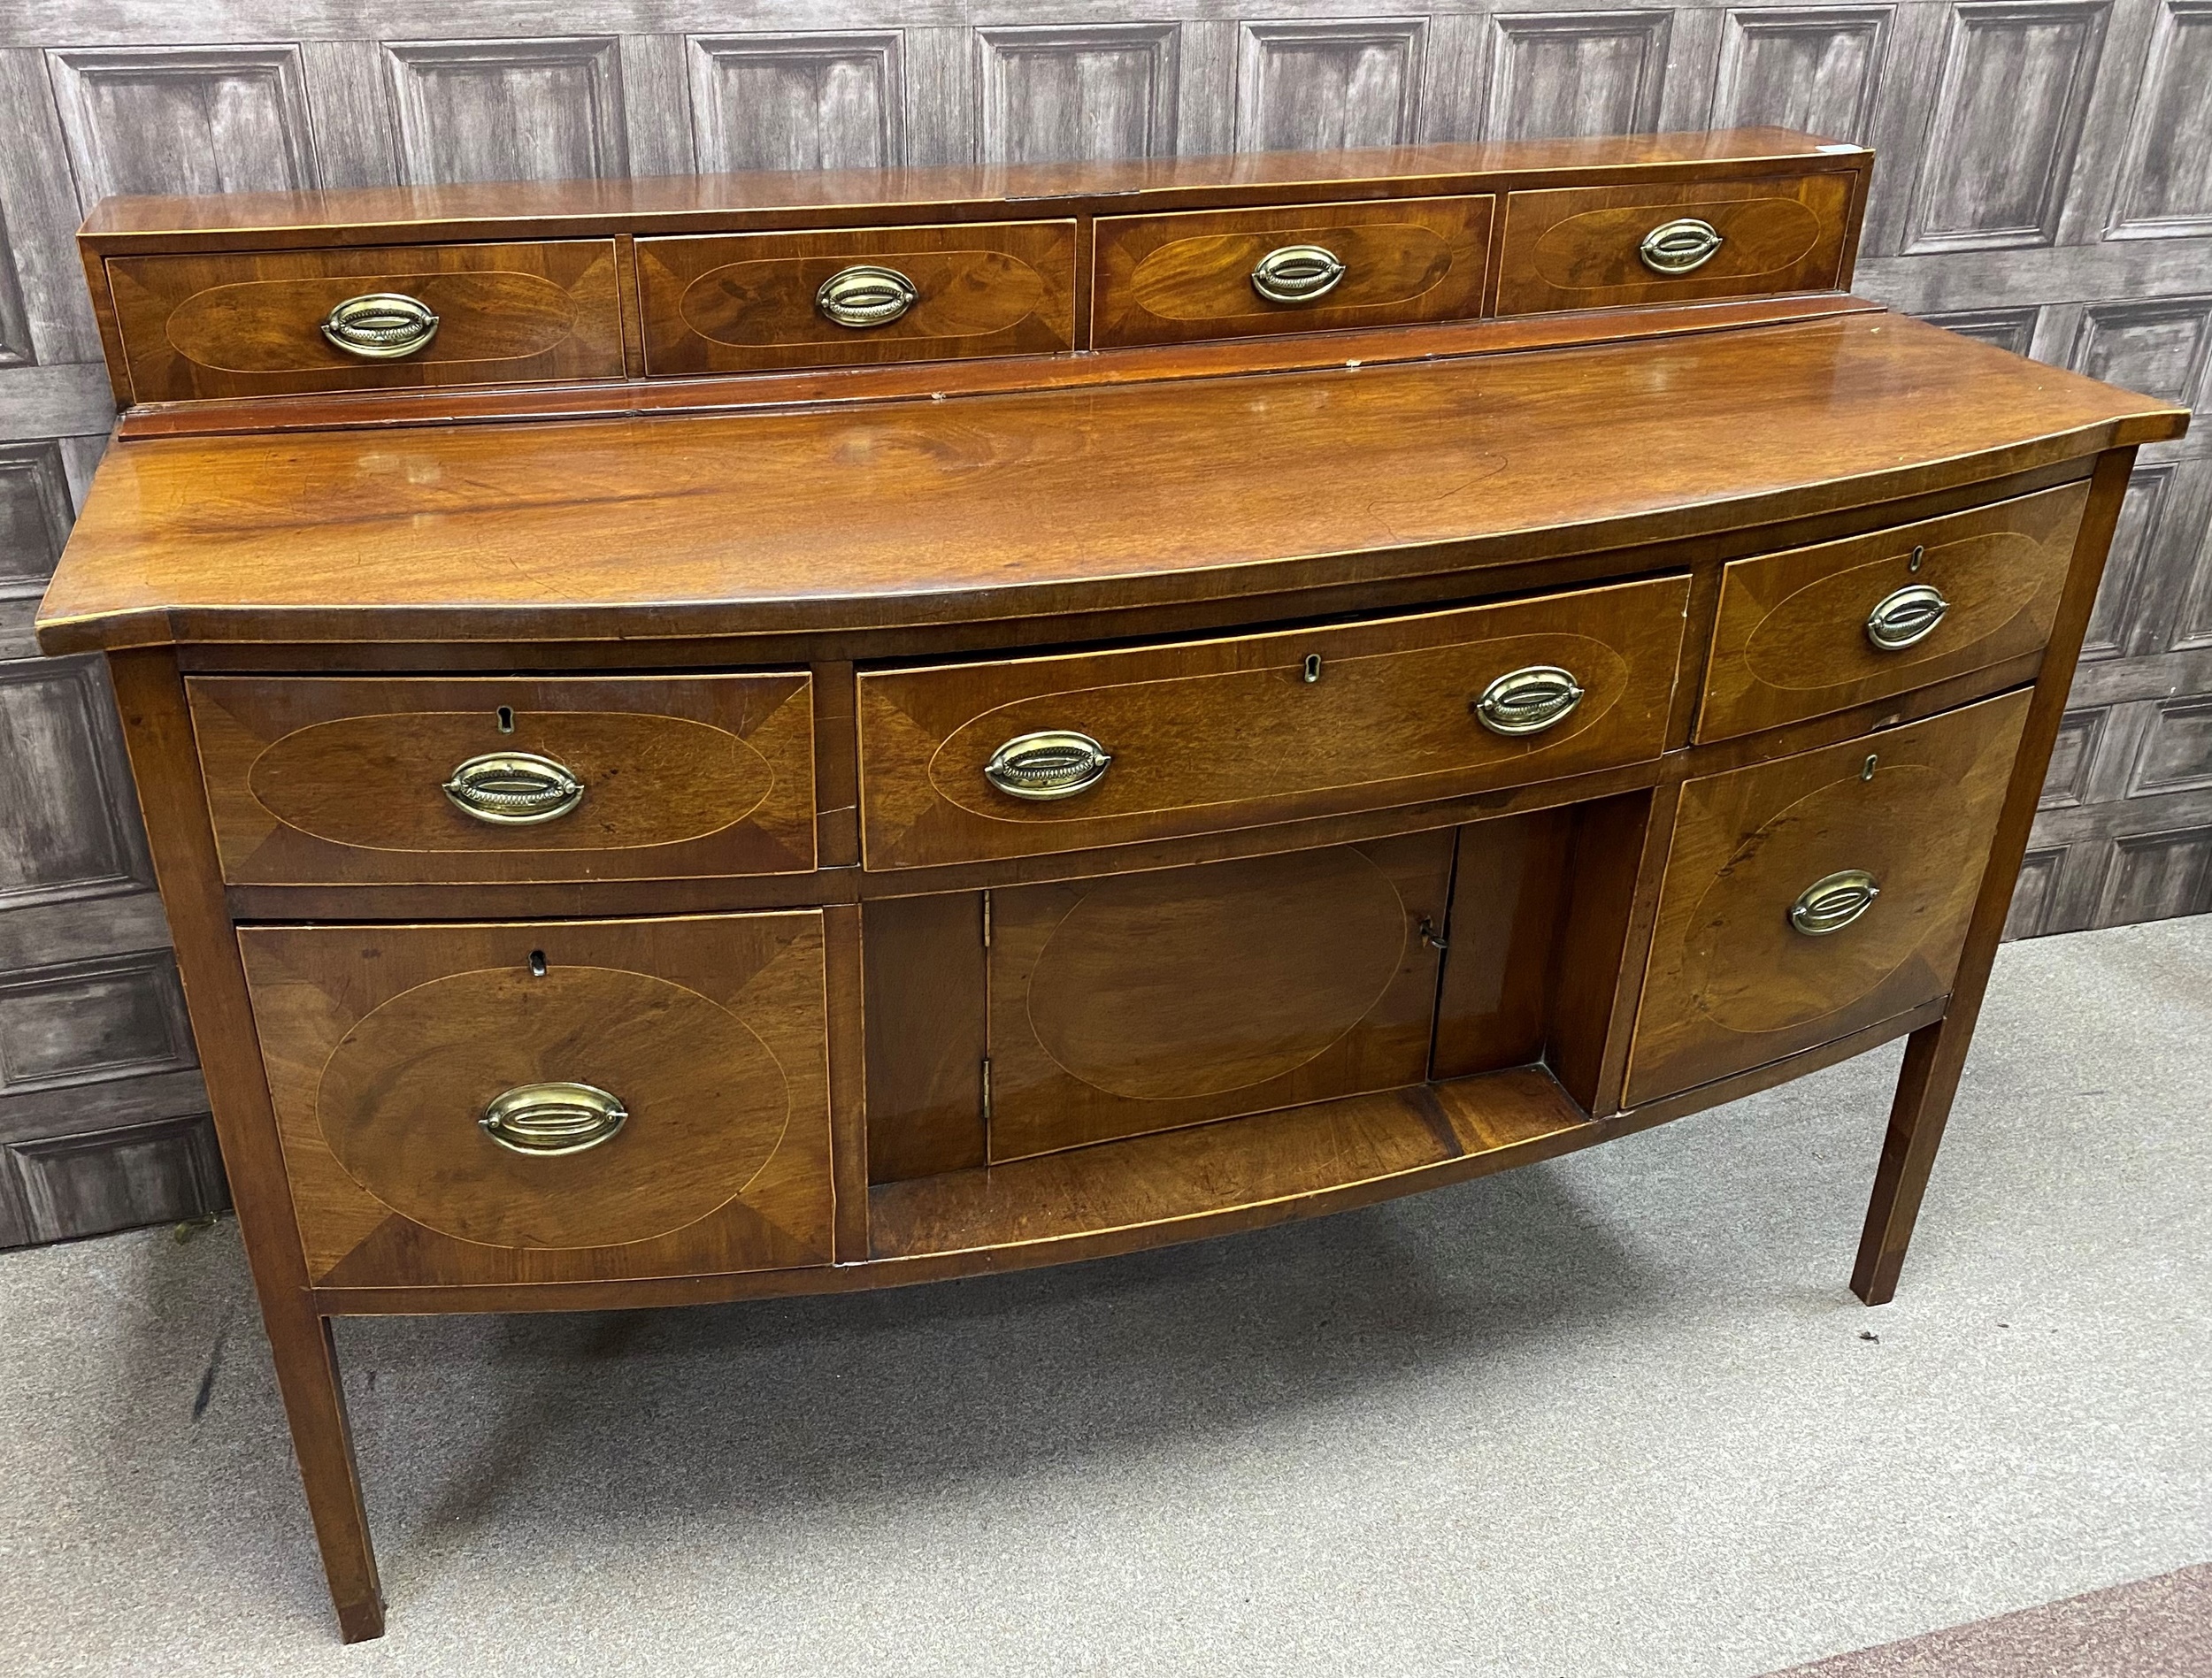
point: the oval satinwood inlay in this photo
(959, 295)
(1751, 969)
(1207, 276)
(1814, 637)
(401, 1098)
(378, 780)
(275, 326)
(1199, 981)
(1599, 246)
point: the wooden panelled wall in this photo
(2045, 183)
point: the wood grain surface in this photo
(742, 301)
(928, 1030)
(1577, 247)
(235, 326)
(384, 1045)
(1208, 735)
(688, 202)
(1354, 476)
(332, 780)
(1145, 1001)
(1731, 984)
(1790, 640)
(1244, 1173)
(1161, 280)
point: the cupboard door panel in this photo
(1810, 896)
(395, 1054)
(1145, 1001)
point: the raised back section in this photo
(594, 296)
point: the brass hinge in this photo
(986, 1086)
(987, 920)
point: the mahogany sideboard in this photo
(705, 739)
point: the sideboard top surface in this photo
(671, 203)
(986, 508)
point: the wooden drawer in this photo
(388, 1047)
(251, 324)
(342, 780)
(733, 302)
(1734, 982)
(1147, 1001)
(1208, 273)
(1823, 628)
(1583, 246)
(1211, 735)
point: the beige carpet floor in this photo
(1615, 1414)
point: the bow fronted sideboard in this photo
(705, 739)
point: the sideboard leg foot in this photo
(1934, 1056)
(315, 1402)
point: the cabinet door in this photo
(1145, 1001)
(1812, 896)
(448, 1096)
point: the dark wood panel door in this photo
(1810, 896)
(443, 1093)
(1823, 628)
(343, 780)
(1207, 736)
(1240, 273)
(1145, 1001)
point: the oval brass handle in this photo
(1830, 905)
(1908, 616)
(1297, 273)
(865, 296)
(380, 326)
(1528, 702)
(514, 788)
(1048, 765)
(1680, 247)
(543, 1119)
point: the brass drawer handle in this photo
(381, 325)
(545, 1119)
(514, 788)
(1297, 273)
(1908, 616)
(1831, 904)
(865, 296)
(1048, 765)
(1680, 247)
(1528, 702)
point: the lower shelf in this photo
(1230, 1175)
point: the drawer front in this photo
(1147, 1001)
(1765, 942)
(1822, 629)
(571, 1102)
(325, 780)
(1586, 247)
(1237, 273)
(737, 301)
(1212, 735)
(253, 324)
